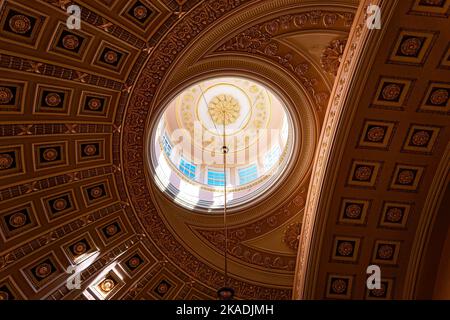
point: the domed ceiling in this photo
(79, 109)
(84, 113)
(187, 146)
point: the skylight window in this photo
(216, 178)
(247, 175)
(188, 169)
(186, 154)
(272, 157)
(166, 145)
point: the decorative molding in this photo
(360, 42)
(332, 56)
(292, 235)
(260, 39)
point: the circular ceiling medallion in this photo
(71, 42)
(111, 57)
(439, 97)
(411, 46)
(107, 285)
(94, 104)
(53, 99)
(353, 211)
(225, 115)
(60, 204)
(79, 248)
(43, 270)
(162, 288)
(6, 95)
(394, 215)
(134, 262)
(345, 248)
(90, 150)
(331, 57)
(406, 177)
(140, 12)
(385, 252)
(17, 220)
(111, 230)
(6, 161)
(376, 134)
(339, 286)
(20, 24)
(96, 192)
(420, 138)
(50, 154)
(224, 109)
(391, 92)
(363, 173)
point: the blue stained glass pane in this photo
(272, 157)
(216, 178)
(248, 175)
(187, 169)
(166, 146)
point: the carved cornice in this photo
(332, 56)
(292, 235)
(239, 235)
(261, 40)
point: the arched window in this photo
(187, 168)
(216, 178)
(272, 157)
(166, 145)
(247, 175)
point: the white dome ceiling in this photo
(187, 143)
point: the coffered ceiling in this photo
(77, 107)
(384, 159)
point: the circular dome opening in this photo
(234, 114)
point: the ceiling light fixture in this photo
(225, 292)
